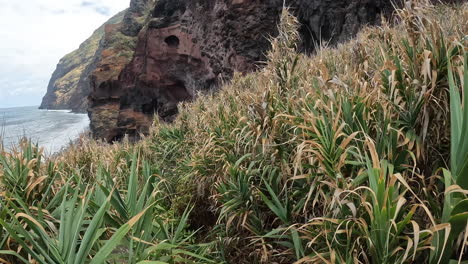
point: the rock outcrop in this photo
(117, 51)
(186, 47)
(69, 85)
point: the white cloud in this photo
(35, 34)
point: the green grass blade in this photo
(18, 234)
(91, 231)
(12, 253)
(297, 244)
(74, 223)
(275, 205)
(114, 241)
(455, 117)
(462, 153)
(182, 225)
(132, 185)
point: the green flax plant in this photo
(160, 236)
(175, 243)
(140, 196)
(237, 198)
(24, 172)
(389, 217)
(78, 236)
(455, 211)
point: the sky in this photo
(35, 34)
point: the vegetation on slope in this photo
(66, 88)
(355, 155)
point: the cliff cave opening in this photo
(172, 41)
(164, 102)
(308, 38)
(151, 107)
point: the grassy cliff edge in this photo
(357, 154)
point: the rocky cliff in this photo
(119, 45)
(186, 47)
(69, 85)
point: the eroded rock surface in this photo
(185, 47)
(69, 85)
(117, 50)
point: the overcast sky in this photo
(35, 34)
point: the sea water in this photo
(51, 129)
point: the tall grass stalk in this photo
(330, 158)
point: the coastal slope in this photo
(353, 154)
(69, 85)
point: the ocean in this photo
(51, 129)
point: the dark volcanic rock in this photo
(186, 47)
(117, 50)
(334, 21)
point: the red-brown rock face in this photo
(190, 46)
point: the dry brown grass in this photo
(333, 158)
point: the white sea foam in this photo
(55, 110)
